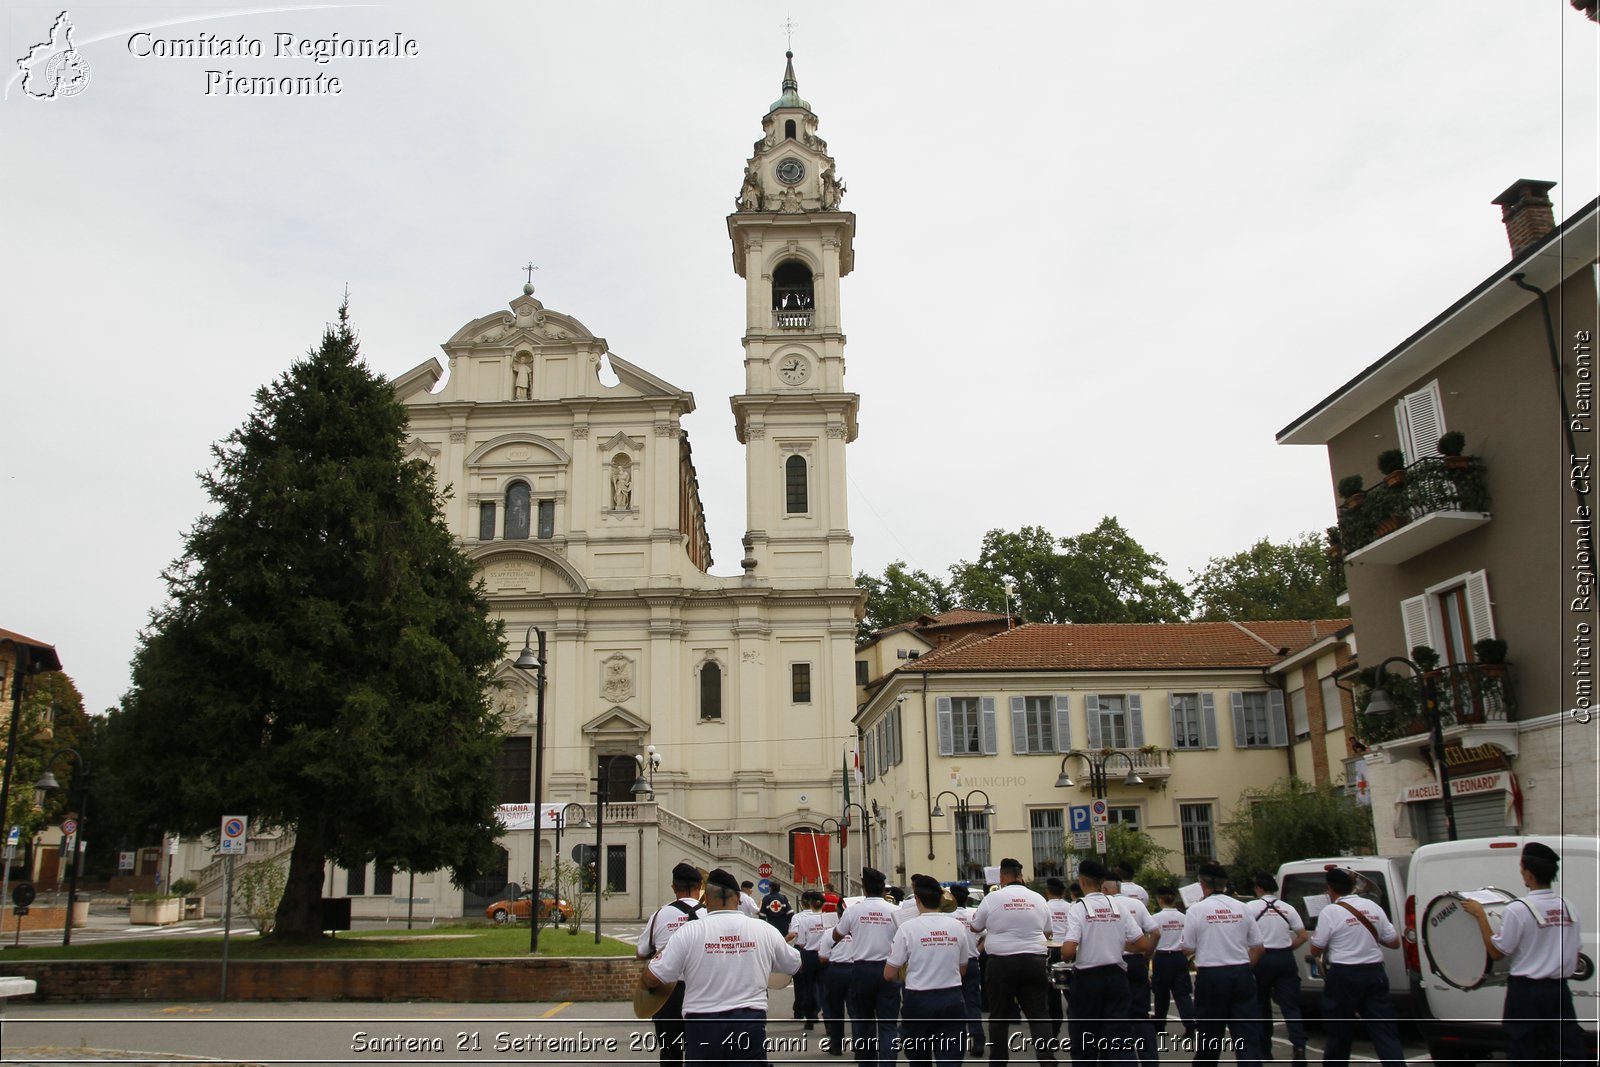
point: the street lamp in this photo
(965, 809)
(560, 822)
(1380, 703)
(648, 763)
(837, 831)
(866, 828)
(47, 781)
(1099, 778)
(529, 660)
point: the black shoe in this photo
(811, 1024)
(1299, 1056)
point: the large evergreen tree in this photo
(323, 661)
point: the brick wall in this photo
(468, 980)
(41, 918)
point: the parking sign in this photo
(1080, 818)
(232, 838)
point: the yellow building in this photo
(967, 725)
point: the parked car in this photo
(1457, 1011)
(1303, 884)
(515, 906)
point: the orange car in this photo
(515, 907)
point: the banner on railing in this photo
(811, 857)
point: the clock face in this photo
(794, 369)
(790, 171)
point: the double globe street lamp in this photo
(69, 840)
(965, 810)
(529, 660)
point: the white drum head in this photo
(1453, 944)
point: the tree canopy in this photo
(902, 594)
(323, 662)
(53, 720)
(1293, 820)
(1293, 580)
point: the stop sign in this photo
(765, 870)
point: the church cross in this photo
(788, 30)
(530, 268)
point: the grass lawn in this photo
(439, 942)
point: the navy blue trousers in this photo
(1278, 981)
(1097, 1015)
(933, 1026)
(1169, 979)
(738, 1036)
(1540, 1023)
(874, 1013)
(1225, 997)
(1353, 989)
(835, 992)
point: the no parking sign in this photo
(232, 839)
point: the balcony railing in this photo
(791, 318)
(1441, 496)
(1468, 694)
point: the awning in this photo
(1469, 785)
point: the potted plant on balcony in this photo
(1451, 446)
(1392, 465)
(1491, 653)
(1386, 504)
(1335, 547)
(1350, 489)
(1426, 659)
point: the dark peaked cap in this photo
(723, 880)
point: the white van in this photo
(1462, 1025)
(1303, 884)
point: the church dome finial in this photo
(791, 88)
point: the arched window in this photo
(796, 500)
(788, 128)
(710, 691)
(792, 289)
(517, 502)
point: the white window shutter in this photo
(1414, 620)
(1419, 417)
(991, 743)
(947, 739)
(1208, 720)
(1091, 718)
(1019, 726)
(869, 765)
(1237, 699)
(1277, 728)
(1135, 720)
(894, 733)
(1063, 723)
(1480, 609)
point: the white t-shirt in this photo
(1137, 892)
(871, 925)
(1013, 921)
(1170, 922)
(664, 923)
(802, 927)
(843, 951)
(748, 905)
(963, 915)
(1101, 926)
(1279, 922)
(723, 961)
(1343, 937)
(932, 946)
(1220, 932)
(1058, 919)
(1541, 938)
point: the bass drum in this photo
(1453, 944)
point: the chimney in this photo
(1526, 210)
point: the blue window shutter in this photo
(1172, 721)
(1237, 699)
(1091, 718)
(1063, 723)
(991, 742)
(1135, 720)
(1019, 726)
(1208, 720)
(947, 739)
(869, 765)
(1277, 728)
(894, 734)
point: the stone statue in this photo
(832, 191)
(789, 202)
(750, 195)
(622, 486)
(521, 379)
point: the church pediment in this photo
(615, 722)
(522, 568)
(528, 322)
(644, 383)
(518, 450)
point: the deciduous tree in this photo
(323, 661)
(1293, 580)
(1293, 820)
(900, 595)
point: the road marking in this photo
(563, 1006)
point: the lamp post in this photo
(47, 781)
(529, 660)
(648, 763)
(1099, 779)
(602, 783)
(1380, 703)
(560, 822)
(837, 831)
(866, 828)
(965, 809)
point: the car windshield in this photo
(1297, 887)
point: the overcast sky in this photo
(1104, 251)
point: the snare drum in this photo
(1454, 945)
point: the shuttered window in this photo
(1419, 417)
(1258, 719)
(1476, 816)
(1039, 724)
(1194, 720)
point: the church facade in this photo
(579, 504)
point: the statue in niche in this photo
(749, 198)
(522, 378)
(621, 483)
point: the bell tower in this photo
(791, 245)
